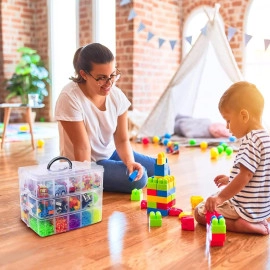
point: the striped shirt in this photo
(252, 203)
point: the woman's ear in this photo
(245, 115)
(83, 74)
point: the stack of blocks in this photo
(216, 229)
(161, 188)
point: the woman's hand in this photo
(132, 166)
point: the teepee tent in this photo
(204, 74)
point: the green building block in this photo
(151, 204)
(218, 226)
(136, 194)
(155, 219)
(152, 182)
(162, 184)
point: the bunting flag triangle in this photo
(124, 2)
(132, 14)
(266, 43)
(160, 42)
(141, 27)
(149, 36)
(231, 32)
(204, 30)
(247, 39)
(172, 43)
(189, 39)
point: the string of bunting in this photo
(231, 32)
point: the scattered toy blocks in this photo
(155, 219)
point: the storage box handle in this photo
(59, 158)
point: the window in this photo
(256, 66)
(63, 43)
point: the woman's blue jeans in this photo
(116, 174)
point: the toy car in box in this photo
(60, 196)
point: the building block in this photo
(136, 194)
(175, 211)
(143, 204)
(155, 219)
(162, 184)
(163, 193)
(164, 213)
(187, 223)
(133, 175)
(152, 205)
(166, 206)
(152, 192)
(184, 214)
(218, 225)
(161, 158)
(195, 200)
(152, 182)
(218, 240)
(161, 170)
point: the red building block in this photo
(188, 223)
(217, 240)
(143, 204)
(175, 211)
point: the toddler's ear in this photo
(245, 115)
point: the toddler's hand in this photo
(211, 203)
(221, 180)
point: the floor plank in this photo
(123, 239)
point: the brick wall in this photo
(146, 68)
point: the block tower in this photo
(216, 229)
(161, 188)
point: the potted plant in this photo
(30, 77)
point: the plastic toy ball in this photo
(224, 145)
(166, 141)
(229, 150)
(232, 138)
(24, 128)
(167, 136)
(145, 141)
(40, 143)
(156, 139)
(170, 143)
(203, 145)
(192, 142)
(220, 148)
(214, 153)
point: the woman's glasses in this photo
(103, 80)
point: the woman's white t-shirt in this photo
(72, 105)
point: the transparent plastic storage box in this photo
(60, 196)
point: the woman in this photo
(92, 120)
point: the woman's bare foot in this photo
(243, 226)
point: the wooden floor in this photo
(123, 239)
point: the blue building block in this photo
(161, 170)
(133, 175)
